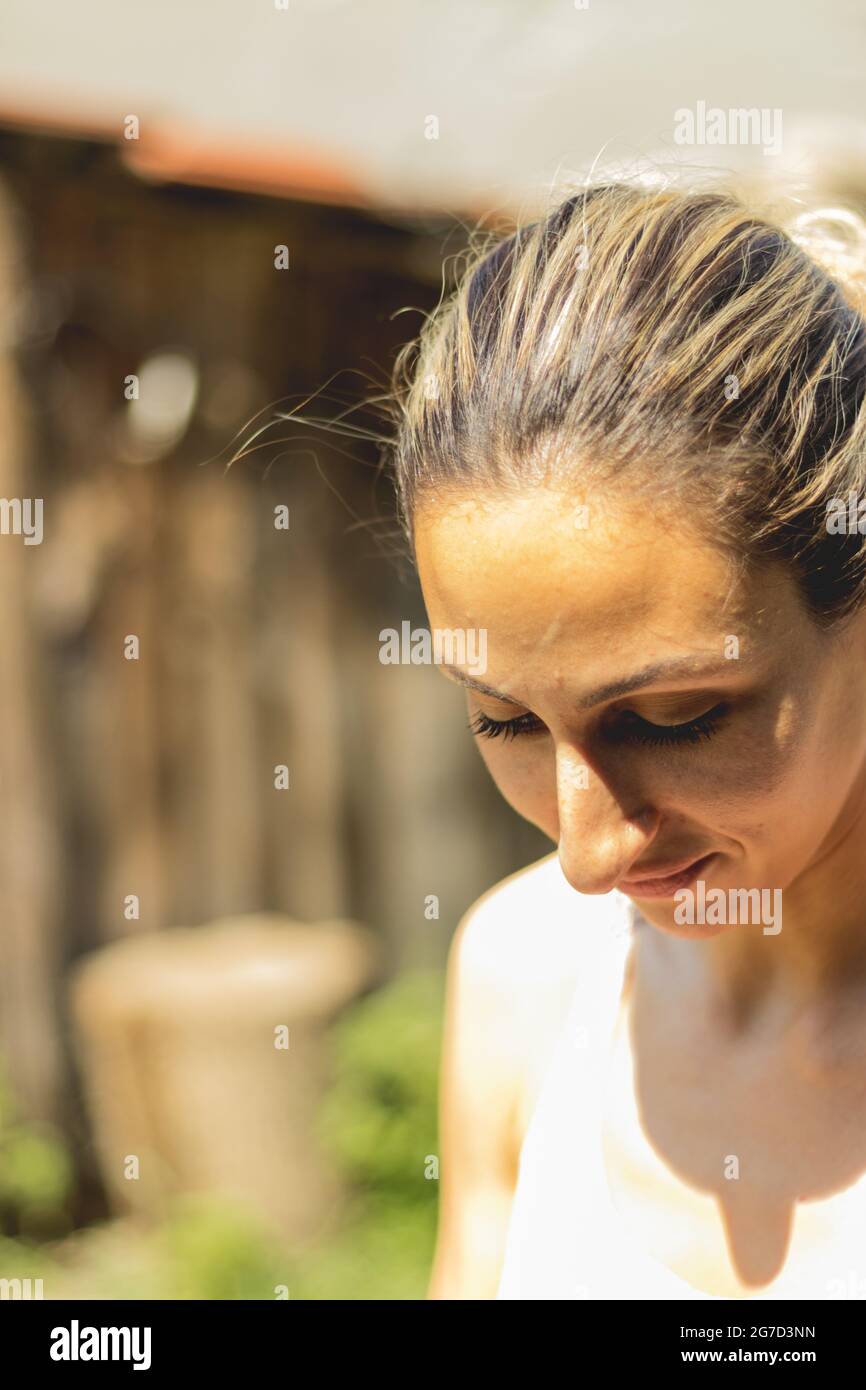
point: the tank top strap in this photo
(555, 1221)
(594, 1007)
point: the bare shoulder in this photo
(512, 971)
(518, 954)
(521, 934)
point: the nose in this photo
(601, 832)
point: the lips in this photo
(665, 880)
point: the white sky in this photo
(522, 89)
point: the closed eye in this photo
(484, 727)
(635, 729)
(631, 728)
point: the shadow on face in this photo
(648, 700)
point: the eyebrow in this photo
(661, 670)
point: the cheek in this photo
(758, 767)
(799, 760)
(778, 782)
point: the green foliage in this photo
(378, 1121)
(206, 1248)
(35, 1171)
(379, 1118)
(213, 1250)
(383, 1253)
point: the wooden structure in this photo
(153, 779)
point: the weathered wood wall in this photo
(155, 777)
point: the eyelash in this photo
(693, 731)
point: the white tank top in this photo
(566, 1238)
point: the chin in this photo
(661, 915)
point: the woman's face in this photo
(662, 706)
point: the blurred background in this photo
(237, 845)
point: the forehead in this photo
(548, 575)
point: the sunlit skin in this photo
(776, 794)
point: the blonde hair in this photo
(660, 340)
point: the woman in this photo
(620, 445)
